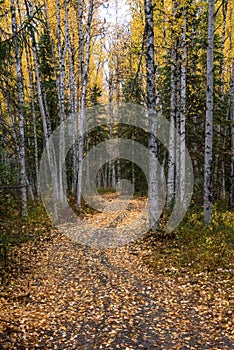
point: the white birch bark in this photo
(174, 149)
(224, 144)
(29, 184)
(18, 61)
(152, 115)
(79, 18)
(177, 119)
(112, 178)
(30, 77)
(14, 134)
(183, 111)
(231, 103)
(74, 108)
(208, 195)
(83, 101)
(80, 11)
(45, 121)
(171, 159)
(72, 76)
(60, 82)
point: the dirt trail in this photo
(74, 297)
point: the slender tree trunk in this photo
(178, 116)
(182, 112)
(231, 103)
(219, 178)
(62, 49)
(208, 189)
(45, 121)
(74, 109)
(79, 19)
(224, 131)
(36, 156)
(152, 115)
(18, 58)
(112, 177)
(116, 169)
(36, 181)
(171, 159)
(32, 102)
(82, 103)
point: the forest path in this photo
(66, 296)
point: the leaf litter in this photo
(63, 295)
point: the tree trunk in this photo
(112, 175)
(36, 181)
(23, 177)
(152, 115)
(60, 78)
(178, 116)
(74, 107)
(231, 103)
(171, 159)
(83, 102)
(182, 112)
(208, 188)
(45, 120)
(32, 98)
(225, 130)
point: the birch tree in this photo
(151, 105)
(20, 90)
(111, 173)
(44, 114)
(74, 106)
(60, 82)
(32, 106)
(224, 33)
(84, 81)
(32, 102)
(208, 195)
(231, 103)
(183, 86)
(172, 144)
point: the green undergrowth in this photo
(15, 230)
(195, 247)
(104, 190)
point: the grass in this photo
(196, 247)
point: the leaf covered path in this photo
(65, 296)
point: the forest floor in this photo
(62, 295)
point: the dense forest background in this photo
(58, 58)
